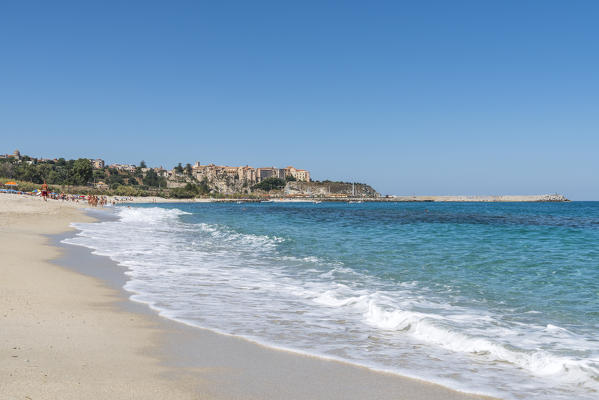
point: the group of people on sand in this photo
(66, 197)
(94, 200)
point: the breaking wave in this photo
(242, 283)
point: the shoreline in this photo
(545, 198)
(230, 366)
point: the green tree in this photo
(29, 173)
(99, 174)
(188, 169)
(269, 184)
(59, 175)
(179, 168)
(151, 178)
(187, 192)
(82, 171)
(142, 164)
(190, 187)
(114, 179)
(203, 187)
(54, 178)
(45, 170)
(7, 170)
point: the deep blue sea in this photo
(494, 298)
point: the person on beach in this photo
(45, 191)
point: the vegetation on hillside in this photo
(269, 184)
(190, 191)
(80, 177)
(59, 172)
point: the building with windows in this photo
(269, 172)
(123, 167)
(247, 174)
(299, 174)
(98, 163)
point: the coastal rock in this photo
(330, 189)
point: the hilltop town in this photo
(226, 179)
(182, 181)
(93, 176)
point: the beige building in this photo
(212, 172)
(123, 167)
(299, 174)
(16, 155)
(98, 163)
(247, 174)
(161, 172)
(269, 172)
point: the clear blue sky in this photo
(425, 97)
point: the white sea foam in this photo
(213, 276)
(154, 215)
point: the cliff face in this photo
(224, 183)
(230, 186)
(327, 189)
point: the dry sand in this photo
(65, 335)
(61, 336)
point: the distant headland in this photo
(93, 176)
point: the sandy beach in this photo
(67, 335)
(62, 336)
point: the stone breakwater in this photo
(505, 198)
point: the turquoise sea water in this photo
(496, 298)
